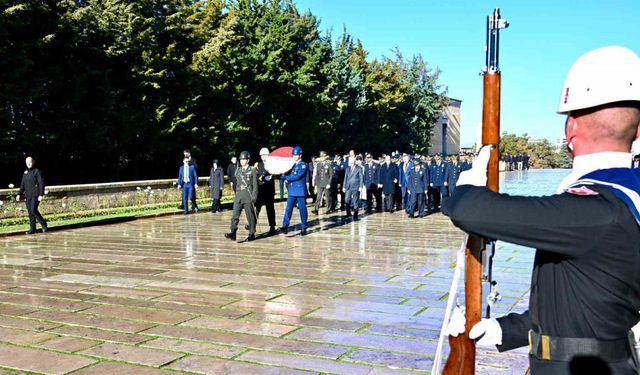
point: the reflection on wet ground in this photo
(170, 295)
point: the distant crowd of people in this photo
(517, 162)
(352, 182)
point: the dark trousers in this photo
(266, 199)
(334, 196)
(188, 193)
(397, 196)
(324, 192)
(215, 205)
(437, 196)
(302, 206)
(373, 192)
(389, 202)
(34, 214)
(416, 199)
(241, 202)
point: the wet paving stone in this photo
(40, 361)
(171, 295)
(122, 369)
(208, 365)
(120, 352)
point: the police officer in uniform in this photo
(585, 291)
(437, 181)
(296, 186)
(266, 191)
(451, 176)
(417, 189)
(323, 178)
(32, 188)
(371, 181)
(246, 196)
(337, 180)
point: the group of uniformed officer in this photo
(517, 162)
(391, 183)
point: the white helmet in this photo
(264, 151)
(604, 75)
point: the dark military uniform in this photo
(585, 281)
(266, 194)
(453, 172)
(336, 185)
(437, 179)
(246, 196)
(417, 187)
(324, 177)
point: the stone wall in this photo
(73, 198)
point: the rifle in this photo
(479, 251)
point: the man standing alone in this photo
(188, 182)
(32, 187)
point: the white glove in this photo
(477, 175)
(487, 333)
(456, 323)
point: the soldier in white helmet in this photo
(585, 288)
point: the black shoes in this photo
(31, 231)
(315, 212)
(230, 235)
(284, 230)
(303, 232)
(272, 231)
(251, 237)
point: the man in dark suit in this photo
(32, 187)
(388, 182)
(353, 184)
(216, 182)
(266, 191)
(188, 182)
(371, 181)
(231, 172)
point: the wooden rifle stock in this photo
(462, 354)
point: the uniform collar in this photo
(584, 164)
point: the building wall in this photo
(450, 117)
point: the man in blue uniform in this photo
(371, 181)
(451, 176)
(353, 183)
(296, 181)
(188, 182)
(417, 188)
(437, 180)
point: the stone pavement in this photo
(171, 295)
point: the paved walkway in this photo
(171, 295)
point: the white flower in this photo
(1, 203)
(148, 187)
(10, 186)
(137, 187)
(64, 205)
(46, 192)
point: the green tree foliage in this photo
(115, 89)
(543, 153)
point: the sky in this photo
(544, 38)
